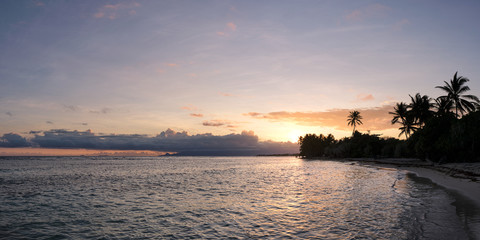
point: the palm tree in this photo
(400, 113)
(405, 118)
(443, 105)
(353, 119)
(408, 126)
(419, 108)
(455, 92)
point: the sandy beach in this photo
(463, 178)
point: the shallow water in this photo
(224, 197)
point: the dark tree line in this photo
(357, 146)
(444, 129)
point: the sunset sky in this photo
(244, 73)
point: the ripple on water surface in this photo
(223, 197)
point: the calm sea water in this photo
(224, 197)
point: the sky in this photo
(233, 76)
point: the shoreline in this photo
(463, 178)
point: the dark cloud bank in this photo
(243, 144)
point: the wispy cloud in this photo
(113, 11)
(232, 26)
(39, 3)
(400, 24)
(376, 118)
(229, 27)
(199, 115)
(9, 114)
(371, 11)
(48, 122)
(104, 110)
(71, 108)
(226, 94)
(189, 107)
(215, 123)
(365, 97)
(222, 123)
(390, 101)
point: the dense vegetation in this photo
(445, 129)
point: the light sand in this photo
(463, 178)
(464, 186)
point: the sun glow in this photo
(294, 134)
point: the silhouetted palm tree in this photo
(403, 116)
(443, 105)
(408, 126)
(455, 92)
(419, 109)
(353, 119)
(400, 113)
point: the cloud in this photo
(226, 94)
(196, 115)
(221, 123)
(39, 4)
(112, 11)
(71, 108)
(376, 118)
(104, 110)
(13, 140)
(9, 114)
(232, 26)
(400, 24)
(49, 122)
(214, 123)
(229, 27)
(355, 14)
(371, 11)
(253, 114)
(189, 108)
(365, 97)
(246, 143)
(172, 64)
(85, 124)
(99, 15)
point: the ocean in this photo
(224, 198)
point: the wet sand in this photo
(463, 178)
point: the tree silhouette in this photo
(408, 126)
(443, 105)
(405, 118)
(455, 92)
(399, 113)
(419, 109)
(353, 119)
